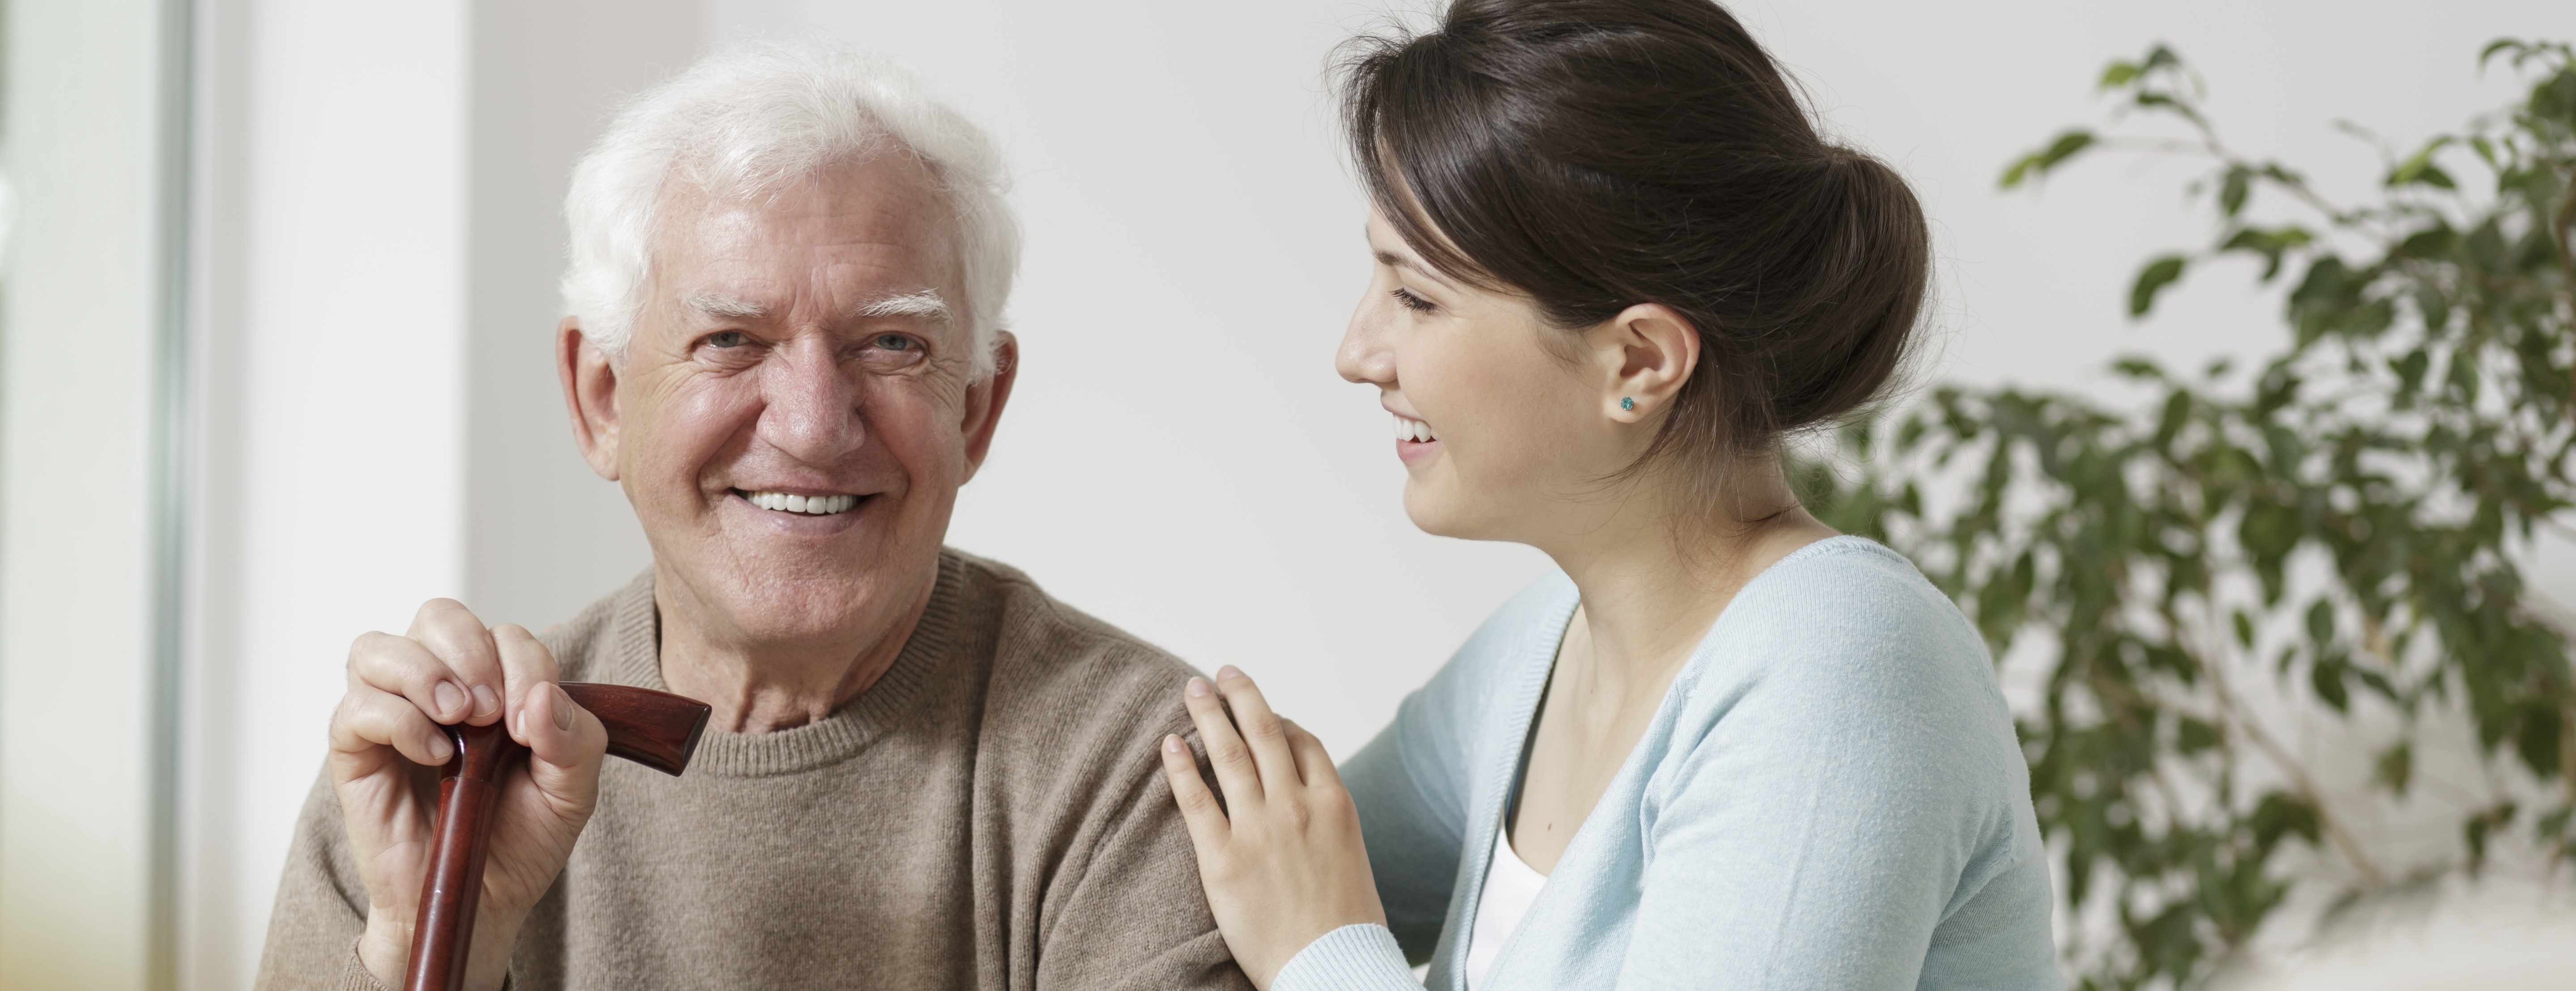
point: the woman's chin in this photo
(1438, 513)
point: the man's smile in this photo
(800, 503)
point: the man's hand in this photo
(449, 669)
(1282, 860)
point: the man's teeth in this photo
(1414, 430)
(808, 505)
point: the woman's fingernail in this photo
(1228, 671)
(449, 699)
(440, 748)
(1172, 743)
(485, 703)
(1198, 687)
(563, 708)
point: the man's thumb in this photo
(566, 745)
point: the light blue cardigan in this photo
(1830, 797)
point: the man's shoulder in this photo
(1060, 669)
(583, 644)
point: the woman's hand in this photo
(1282, 860)
(447, 669)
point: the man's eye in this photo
(727, 339)
(895, 342)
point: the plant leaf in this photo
(2037, 163)
(2152, 280)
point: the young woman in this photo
(1725, 747)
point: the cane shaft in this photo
(460, 841)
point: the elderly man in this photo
(787, 275)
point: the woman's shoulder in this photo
(1846, 631)
(1843, 606)
(1843, 670)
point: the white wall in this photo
(332, 400)
(79, 359)
(1179, 457)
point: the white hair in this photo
(755, 117)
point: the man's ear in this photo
(1644, 356)
(985, 399)
(590, 395)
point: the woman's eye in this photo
(727, 339)
(1412, 302)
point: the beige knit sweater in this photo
(989, 815)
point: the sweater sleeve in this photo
(321, 907)
(1134, 915)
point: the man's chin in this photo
(822, 608)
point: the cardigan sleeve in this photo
(1360, 957)
(1412, 821)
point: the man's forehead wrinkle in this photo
(835, 249)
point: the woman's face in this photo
(1497, 416)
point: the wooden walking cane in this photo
(656, 729)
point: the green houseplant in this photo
(2343, 529)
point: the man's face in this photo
(794, 413)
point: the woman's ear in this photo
(1645, 355)
(590, 394)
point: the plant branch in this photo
(2301, 782)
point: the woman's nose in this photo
(812, 412)
(1366, 354)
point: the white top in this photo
(1510, 887)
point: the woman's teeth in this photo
(1414, 430)
(808, 505)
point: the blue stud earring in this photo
(1627, 403)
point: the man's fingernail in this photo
(1172, 743)
(449, 699)
(485, 703)
(1228, 671)
(562, 707)
(1198, 687)
(440, 748)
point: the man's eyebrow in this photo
(925, 304)
(724, 306)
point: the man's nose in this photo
(1366, 354)
(812, 411)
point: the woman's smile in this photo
(1415, 441)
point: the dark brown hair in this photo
(1596, 154)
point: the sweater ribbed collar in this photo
(635, 658)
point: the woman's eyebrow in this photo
(1399, 261)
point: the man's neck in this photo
(766, 687)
